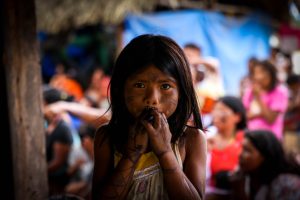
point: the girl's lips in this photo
(147, 114)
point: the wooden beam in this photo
(23, 80)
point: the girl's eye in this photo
(165, 86)
(139, 85)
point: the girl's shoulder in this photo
(278, 91)
(101, 135)
(192, 136)
(191, 132)
(193, 146)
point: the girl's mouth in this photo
(147, 114)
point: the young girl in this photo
(266, 101)
(266, 172)
(151, 154)
(229, 117)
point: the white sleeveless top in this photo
(148, 176)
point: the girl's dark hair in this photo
(275, 161)
(293, 79)
(271, 69)
(168, 57)
(236, 105)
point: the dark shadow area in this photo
(7, 169)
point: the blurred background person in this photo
(81, 185)
(208, 80)
(292, 116)
(96, 92)
(224, 147)
(265, 172)
(282, 62)
(64, 81)
(80, 153)
(246, 81)
(267, 100)
(58, 144)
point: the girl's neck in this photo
(227, 134)
(224, 140)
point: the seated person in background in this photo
(265, 172)
(58, 145)
(64, 82)
(96, 93)
(85, 113)
(229, 117)
(81, 185)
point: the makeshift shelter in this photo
(57, 15)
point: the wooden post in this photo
(7, 191)
(23, 81)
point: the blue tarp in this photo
(232, 40)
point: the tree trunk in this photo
(23, 81)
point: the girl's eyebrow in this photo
(169, 79)
(159, 81)
(165, 79)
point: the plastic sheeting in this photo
(232, 40)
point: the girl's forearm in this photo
(118, 185)
(177, 183)
(266, 112)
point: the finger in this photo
(164, 118)
(157, 118)
(149, 128)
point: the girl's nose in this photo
(152, 97)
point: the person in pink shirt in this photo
(266, 100)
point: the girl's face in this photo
(250, 158)
(223, 117)
(151, 88)
(261, 77)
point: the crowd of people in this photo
(138, 136)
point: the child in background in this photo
(147, 151)
(81, 185)
(266, 101)
(265, 171)
(229, 117)
(224, 147)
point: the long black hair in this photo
(275, 160)
(168, 57)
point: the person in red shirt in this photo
(229, 118)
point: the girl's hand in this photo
(257, 90)
(159, 133)
(137, 141)
(237, 181)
